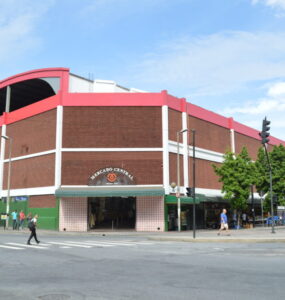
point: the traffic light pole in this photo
(264, 134)
(271, 191)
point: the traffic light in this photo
(265, 132)
(189, 192)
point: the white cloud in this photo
(18, 20)
(214, 64)
(271, 3)
(274, 102)
(253, 112)
(278, 89)
(277, 5)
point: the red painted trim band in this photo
(207, 115)
(62, 73)
(31, 110)
(115, 99)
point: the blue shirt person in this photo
(224, 222)
(15, 219)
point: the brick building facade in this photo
(94, 155)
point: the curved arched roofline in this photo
(62, 73)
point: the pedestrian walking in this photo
(22, 219)
(32, 226)
(224, 222)
(15, 219)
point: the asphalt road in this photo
(132, 267)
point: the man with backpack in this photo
(32, 226)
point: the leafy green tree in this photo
(237, 173)
(277, 160)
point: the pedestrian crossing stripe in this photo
(72, 244)
(11, 247)
(92, 244)
(114, 243)
(27, 246)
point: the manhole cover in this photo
(54, 297)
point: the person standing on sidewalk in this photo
(15, 219)
(22, 219)
(224, 222)
(32, 226)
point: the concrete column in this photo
(165, 145)
(58, 152)
(2, 157)
(185, 150)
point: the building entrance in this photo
(111, 213)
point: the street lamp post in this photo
(178, 180)
(194, 181)
(261, 194)
(9, 179)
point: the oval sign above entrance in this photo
(111, 176)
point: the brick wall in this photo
(205, 175)
(112, 127)
(34, 134)
(31, 172)
(175, 124)
(251, 144)
(77, 167)
(210, 136)
(42, 201)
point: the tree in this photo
(237, 174)
(277, 160)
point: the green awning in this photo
(171, 199)
(127, 191)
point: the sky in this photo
(227, 56)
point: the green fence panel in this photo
(14, 205)
(47, 217)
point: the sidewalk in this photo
(255, 235)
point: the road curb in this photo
(218, 240)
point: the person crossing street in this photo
(32, 226)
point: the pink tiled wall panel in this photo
(150, 214)
(73, 214)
